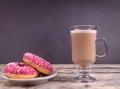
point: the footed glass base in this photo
(84, 75)
(84, 79)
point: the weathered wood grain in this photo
(107, 75)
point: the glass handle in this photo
(106, 47)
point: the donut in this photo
(19, 70)
(38, 63)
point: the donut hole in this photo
(21, 64)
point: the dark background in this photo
(42, 27)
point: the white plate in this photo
(32, 81)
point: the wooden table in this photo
(107, 75)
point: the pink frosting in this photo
(19, 68)
(38, 61)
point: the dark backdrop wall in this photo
(42, 27)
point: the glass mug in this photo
(83, 42)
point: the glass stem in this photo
(84, 72)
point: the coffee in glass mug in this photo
(83, 47)
(83, 43)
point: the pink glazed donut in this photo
(19, 70)
(38, 63)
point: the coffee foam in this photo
(83, 31)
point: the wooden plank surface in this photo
(107, 75)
